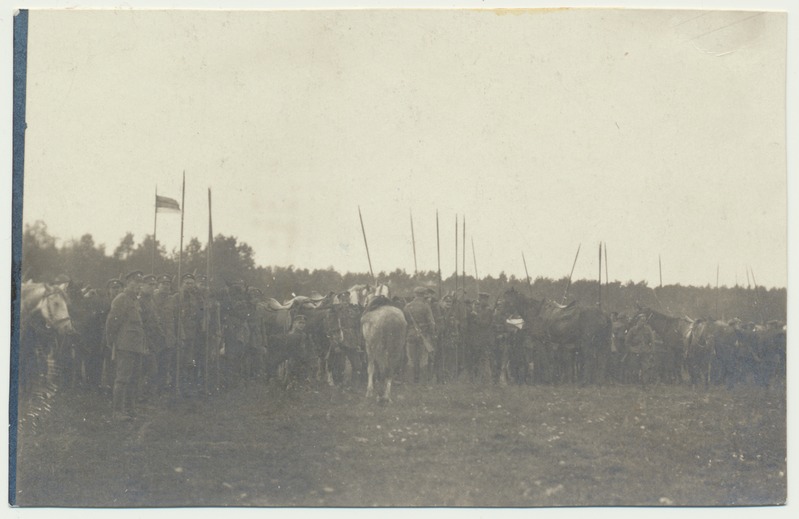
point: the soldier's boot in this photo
(118, 402)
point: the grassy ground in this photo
(453, 445)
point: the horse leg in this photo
(370, 370)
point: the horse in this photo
(384, 329)
(581, 334)
(50, 301)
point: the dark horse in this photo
(581, 334)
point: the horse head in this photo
(53, 307)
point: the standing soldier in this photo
(481, 337)
(448, 337)
(166, 313)
(154, 337)
(640, 353)
(125, 333)
(421, 329)
(189, 334)
(113, 288)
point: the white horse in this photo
(50, 301)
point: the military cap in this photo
(483, 295)
(165, 279)
(299, 319)
(420, 291)
(184, 277)
(447, 298)
(61, 279)
(316, 296)
(135, 275)
(113, 283)
(150, 278)
(237, 282)
(254, 290)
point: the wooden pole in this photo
(463, 263)
(476, 277)
(456, 253)
(368, 257)
(438, 252)
(607, 278)
(660, 270)
(600, 276)
(526, 273)
(155, 228)
(413, 239)
(569, 282)
(181, 331)
(717, 291)
(757, 297)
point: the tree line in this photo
(87, 262)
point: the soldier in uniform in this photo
(448, 337)
(166, 308)
(421, 330)
(481, 335)
(154, 337)
(189, 334)
(125, 333)
(113, 288)
(640, 362)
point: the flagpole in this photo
(180, 292)
(600, 276)
(155, 227)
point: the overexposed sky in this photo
(658, 132)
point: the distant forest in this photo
(88, 263)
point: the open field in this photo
(452, 445)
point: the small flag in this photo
(166, 205)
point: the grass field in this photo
(453, 445)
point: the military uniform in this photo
(166, 313)
(421, 330)
(640, 360)
(154, 337)
(481, 338)
(125, 334)
(112, 289)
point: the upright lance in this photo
(568, 283)
(474, 260)
(368, 257)
(456, 253)
(529, 286)
(413, 239)
(438, 252)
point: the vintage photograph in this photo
(399, 258)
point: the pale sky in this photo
(657, 132)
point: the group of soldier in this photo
(148, 338)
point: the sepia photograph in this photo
(458, 257)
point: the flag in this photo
(166, 205)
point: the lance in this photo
(463, 263)
(438, 252)
(748, 283)
(717, 291)
(660, 271)
(155, 229)
(181, 331)
(474, 260)
(569, 282)
(413, 239)
(600, 275)
(607, 279)
(529, 286)
(368, 257)
(456, 253)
